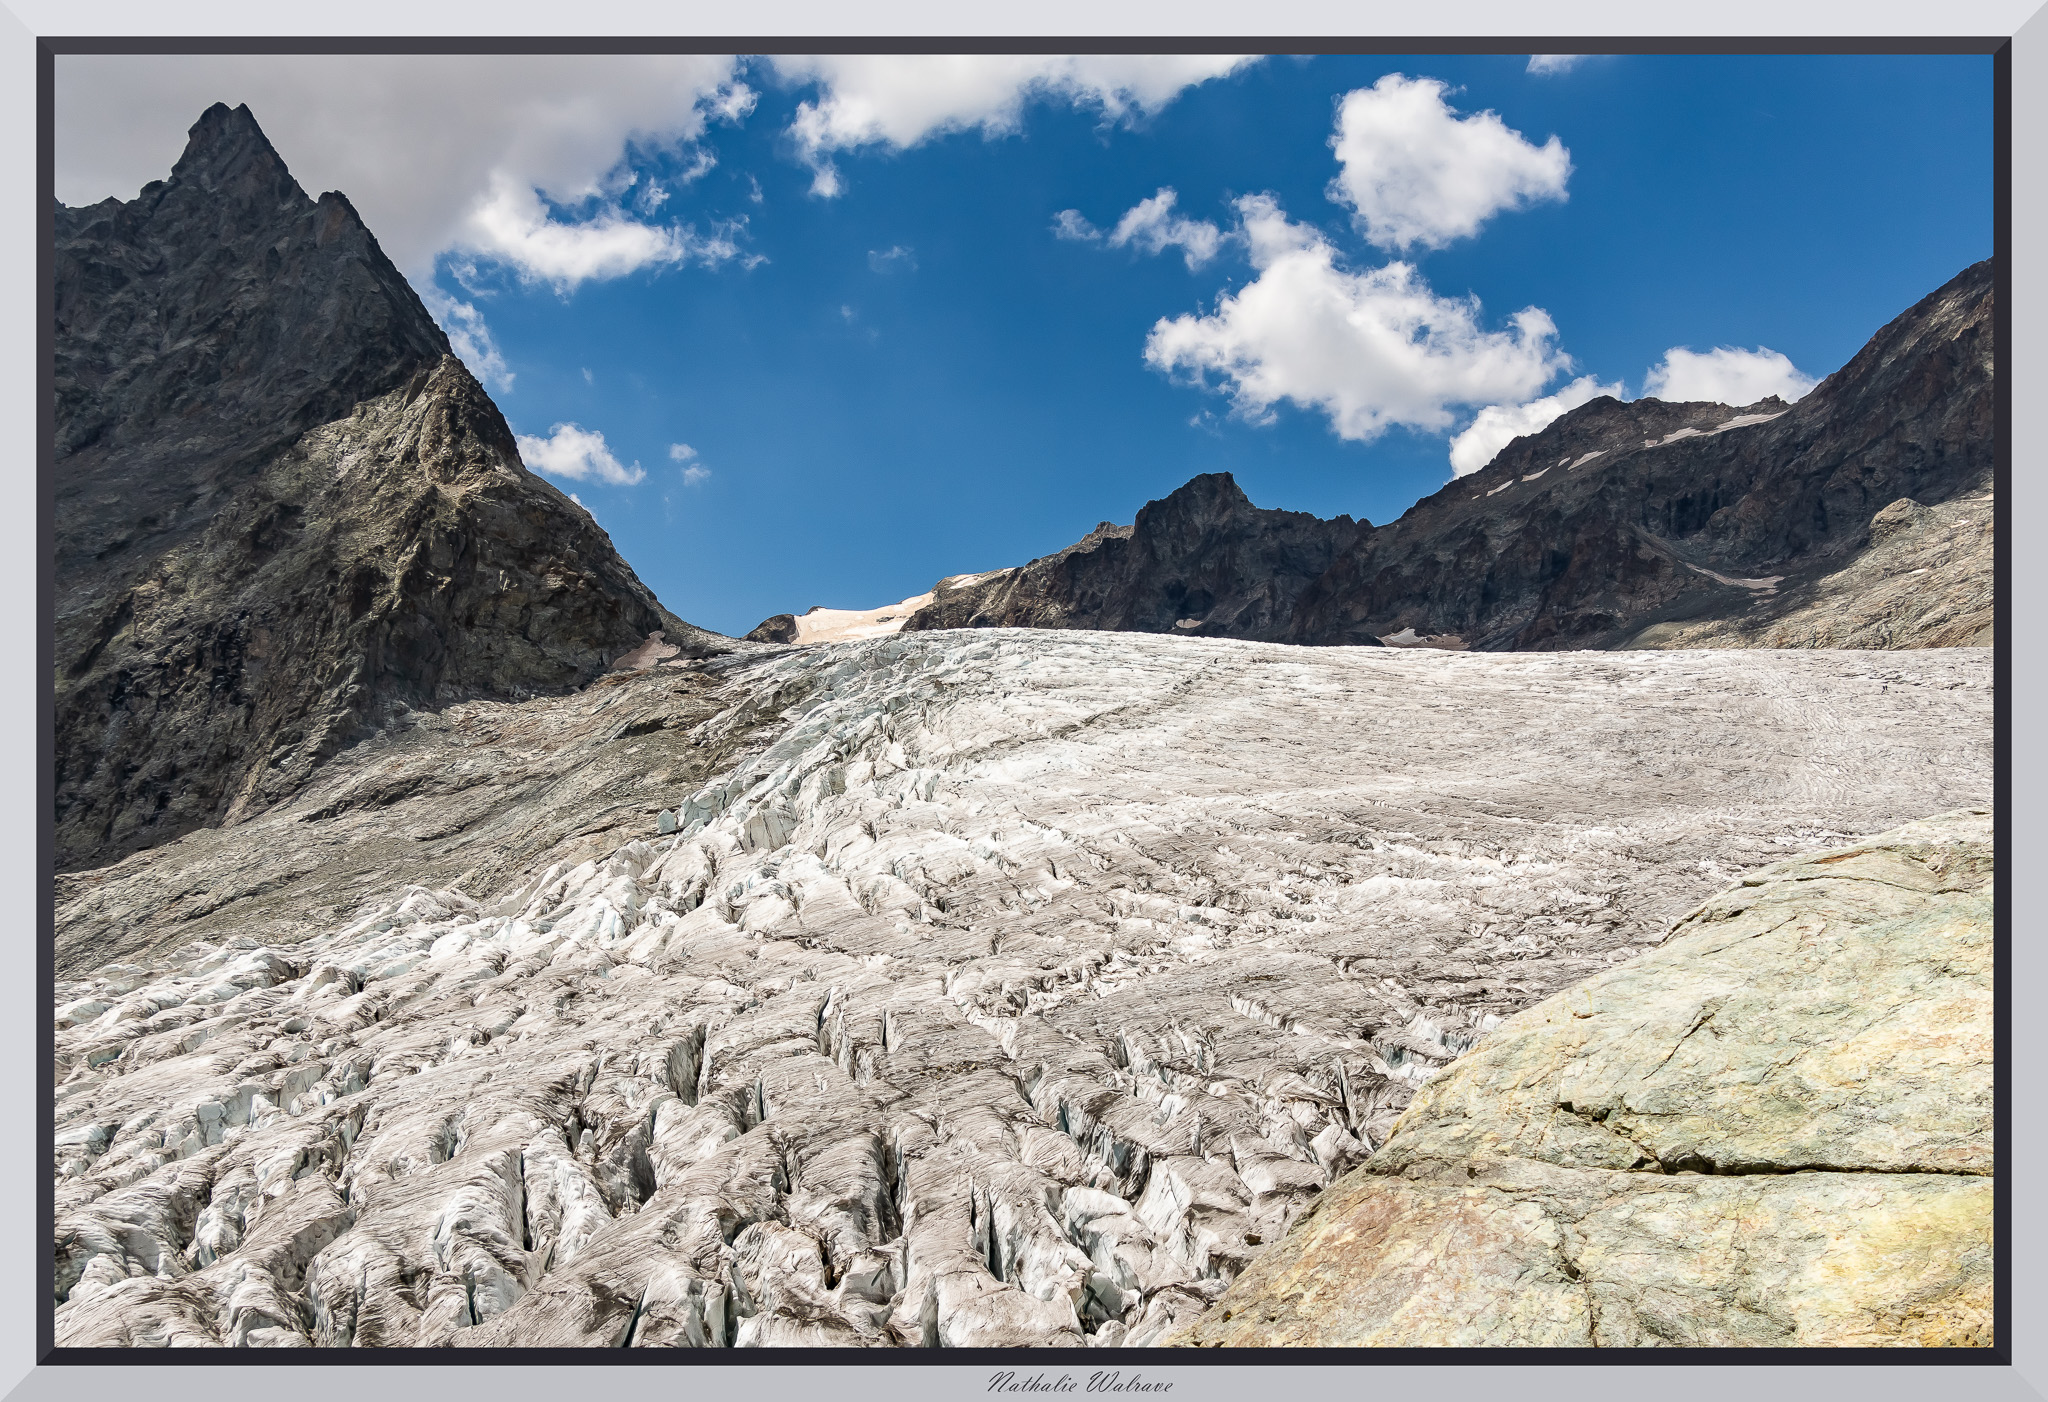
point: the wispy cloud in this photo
(1068, 224)
(1152, 227)
(892, 258)
(694, 471)
(1549, 64)
(731, 101)
(898, 100)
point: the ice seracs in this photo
(1012, 988)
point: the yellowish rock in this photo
(1776, 1128)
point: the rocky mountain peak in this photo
(284, 511)
(228, 157)
(1947, 333)
(223, 299)
(1213, 490)
(1607, 426)
(1200, 560)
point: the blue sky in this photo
(852, 300)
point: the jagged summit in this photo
(226, 306)
(1608, 425)
(283, 509)
(228, 156)
(1201, 560)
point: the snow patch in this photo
(823, 625)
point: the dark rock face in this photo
(1689, 511)
(284, 511)
(1203, 561)
(781, 628)
(201, 328)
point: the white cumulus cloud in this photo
(1548, 64)
(1414, 172)
(1725, 375)
(579, 454)
(901, 99)
(1500, 424)
(436, 151)
(1370, 349)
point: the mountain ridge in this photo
(1687, 524)
(1620, 524)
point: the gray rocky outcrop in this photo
(779, 628)
(1775, 1129)
(1927, 579)
(283, 511)
(1004, 987)
(1202, 561)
